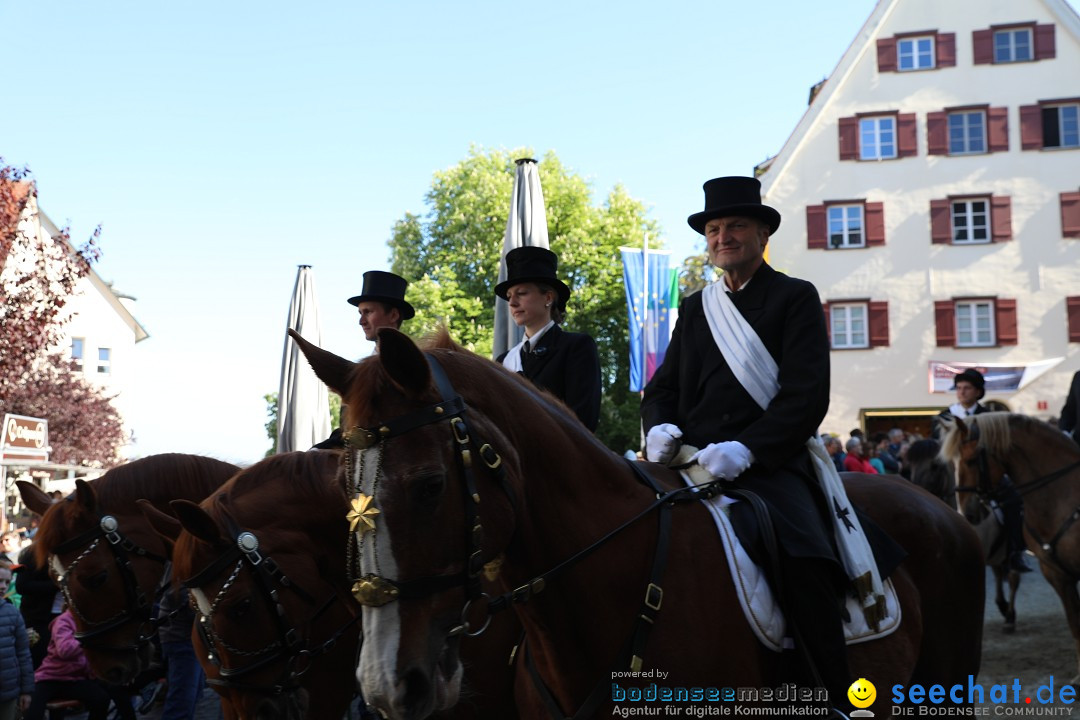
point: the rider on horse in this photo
(702, 396)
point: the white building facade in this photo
(931, 192)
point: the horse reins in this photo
(139, 606)
(271, 580)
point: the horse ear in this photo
(197, 522)
(85, 495)
(333, 370)
(34, 497)
(164, 524)
(403, 361)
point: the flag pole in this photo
(645, 310)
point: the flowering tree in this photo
(38, 275)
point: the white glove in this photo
(662, 442)
(726, 460)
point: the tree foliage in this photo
(38, 276)
(272, 419)
(451, 253)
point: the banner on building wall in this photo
(24, 438)
(1000, 377)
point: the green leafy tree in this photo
(697, 272)
(450, 254)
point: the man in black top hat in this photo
(382, 302)
(970, 387)
(700, 398)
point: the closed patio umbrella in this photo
(303, 400)
(526, 225)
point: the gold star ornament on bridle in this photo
(362, 516)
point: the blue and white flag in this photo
(651, 301)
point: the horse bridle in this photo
(139, 606)
(986, 491)
(374, 590)
(287, 647)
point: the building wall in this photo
(1038, 267)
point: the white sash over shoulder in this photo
(758, 372)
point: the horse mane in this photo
(995, 435)
(306, 475)
(157, 478)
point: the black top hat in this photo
(386, 288)
(728, 196)
(536, 265)
(974, 377)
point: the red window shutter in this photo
(817, 231)
(1031, 127)
(1001, 218)
(945, 323)
(849, 138)
(886, 55)
(875, 223)
(1072, 311)
(906, 141)
(1070, 214)
(937, 134)
(946, 49)
(1044, 42)
(997, 129)
(1005, 319)
(940, 222)
(879, 323)
(983, 42)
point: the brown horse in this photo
(460, 462)
(265, 558)
(1044, 467)
(108, 558)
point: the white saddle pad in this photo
(758, 603)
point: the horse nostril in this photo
(417, 688)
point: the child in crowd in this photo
(16, 669)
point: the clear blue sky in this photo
(221, 144)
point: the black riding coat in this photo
(567, 365)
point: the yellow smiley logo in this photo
(862, 693)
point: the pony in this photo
(265, 558)
(108, 560)
(1044, 467)
(459, 462)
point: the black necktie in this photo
(527, 349)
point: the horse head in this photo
(977, 446)
(264, 561)
(431, 504)
(106, 557)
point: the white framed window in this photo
(77, 350)
(967, 132)
(104, 364)
(846, 228)
(848, 323)
(1061, 126)
(970, 221)
(877, 138)
(915, 53)
(974, 323)
(1013, 45)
